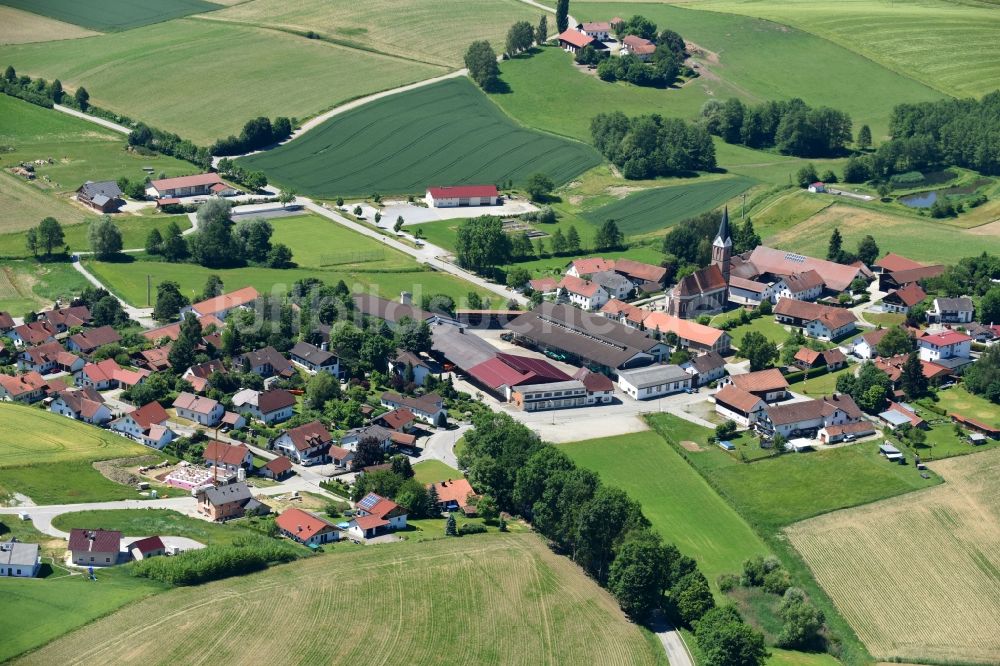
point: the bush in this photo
(245, 555)
(777, 581)
(727, 582)
(471, 528)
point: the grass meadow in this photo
(30, 285)
(909, 572)
(434, 471)
(516, 601)
(133, 227)
(256, 72)
(163, 522)
(436, 32)
(21, 27)
(949, 46)
(958, 400)
(445, 133)
(111, 15)
(316, 242)
(80, 151)
(679, 503)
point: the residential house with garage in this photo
(94, 548)
(203, 411)
(227, 457)
(269, 407)
(768, 385)
(453, 495)
(739, 406)
(901, 300)
(265, 362)
(306, 444)
(951, 311)
(24, 388)
(428, 408)
(400, 419)
(198, 375)
(85, 405)
(707, 368)
(48, 358)
(314, 359)
(19, 560)
(806, 418)
(104, 196)
(403, 359)
(654, 381)
(90, 340)
(376, 515)
(842, 432)
(306, 527)
(341, 458)
(233, 500)
(146, 425)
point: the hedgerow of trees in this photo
(650, 146)
(792, 126)
(256, 134)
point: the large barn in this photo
(462, 195)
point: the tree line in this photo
(792, 126)
(257, 133)
(651, 146)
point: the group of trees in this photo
(688, 245)
(481, 61)
(663, 67)
(868, 389)
(598, 526)
(105, 309)
(105, 238)
(252, 180)
(257, 133)
(170, 244)
(650, 146)
(219, 243)
(47, 237)
(791, 126)
(40, 92)
(868, 251)
(983, 377)
(520, 38)
(971, 275)
(761, 352)
(144, 137)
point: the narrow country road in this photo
(672, 641)
(94, 119)
(142, 315)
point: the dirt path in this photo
(94, 119)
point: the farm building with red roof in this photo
(462, 195)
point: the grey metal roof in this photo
(552, 386)
(612, 280)
(105, 188)
(953, 304)
(234, 492)
(16, 553)
(894, 418)
(653, 375)
(460, 347)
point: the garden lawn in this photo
(80, 151)
(824, 480)
(438, 32)
(260, 72)
(108, 15)
(681, 506)
(447, 133)
(958, 400)
(146, 522)
(921, 239)
(434, 471)
(822, 385)
(128, 279)
(756, 58)
(64, 483)
(38, 611)
(764, 324)
(947, 45)
(133, 227)
(655, 209)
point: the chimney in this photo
(324, 346)
(406, 298)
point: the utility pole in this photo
(743, 214)
(149, 282)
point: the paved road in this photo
(94, 119)
(441, 446)
(673, 642)
(142, 315)
(42, 516)
(428, 254)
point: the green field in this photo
(317, 242)
(434, 471)
(958, 400)
(110, 15)
(771, 329)
(133, 227)
(674, 497)
(128, 279)
(656, 209)
(162, 522)
(823, 385)
(747, 57)
(487, 599)
(945, 44)
(436, 32)
(28, 285)
(146, 73)
(444, 134)
(80, 151)
(776, 492)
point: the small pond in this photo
(927, 199)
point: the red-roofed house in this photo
(32, 334)
(185, 186)
(307, 444)
(462, 195)
(691, 334)
(220, 306)
(807, 359)
(504, 372)
(49, 357)
(641, 48)
(599, 30)
(6, 321)
(738, 405)
(545, 286)
(25, 388)
(375, 515)
(88, 340)
(201, 410)
(590, 265)
(452, 495)
(573, 40)
(85, 405)
(768, 385)
(276, 469)
(94, 548)
(817, 321)
(63, 319)
(197, 375)
(107, 374)
(398, 419)
(584, 294)
(944, 345)
(146, 425)
(146, 548)
(904, 298)
(306, 528)
(227, 456)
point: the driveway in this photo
(42, 516)
(413, 214)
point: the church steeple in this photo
(722, 246)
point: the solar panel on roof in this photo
(368, 501)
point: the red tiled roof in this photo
(685, 329)
(35, 333)
(945, 338)
(511, 370)
(6, 321)
(397, 418)
(895, 262)
(185, 181)
(149, 414)
(148, 545)
(18, 385)
(915, 274)
(370, 522)
(91, 339)
(76, 315)
(273, 400)
(94, 541)
(579, 286)
(762, 380)
(734, 396)
(86, 402)
(915, 420)
(173, 331)
(225, 453)
(544, 284)
(804, 281)
(638, 45)
(701, 281)
(576, 38)
(278, 466)
(195, 403)
(836, 276)
(594, 382)
(302, 524)
(233, 299)
(457, 491)
(308, 435)
(808, 356)
(455, 191)
(909, 295)
(591, 265)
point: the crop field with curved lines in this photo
(444, 134)
(917, 575)
(659, 208)
(487, 599)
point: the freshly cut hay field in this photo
(438, 32)
(750, 58)
(80, 151)
(21, 27)
(950, 46)
(917, 576)
(504, 599)
(922, 239)
(447, 133)
(152, 74)
(656, 209)
(31, 435)
(109, 15)
(679, 503)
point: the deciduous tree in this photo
(481, 61)
(105, 238)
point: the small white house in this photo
(201, 410)
(944, 345)
(738, 405)
(312, 359)
(817, 187)
(19, 560)
(462, 195)
(654, 381)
